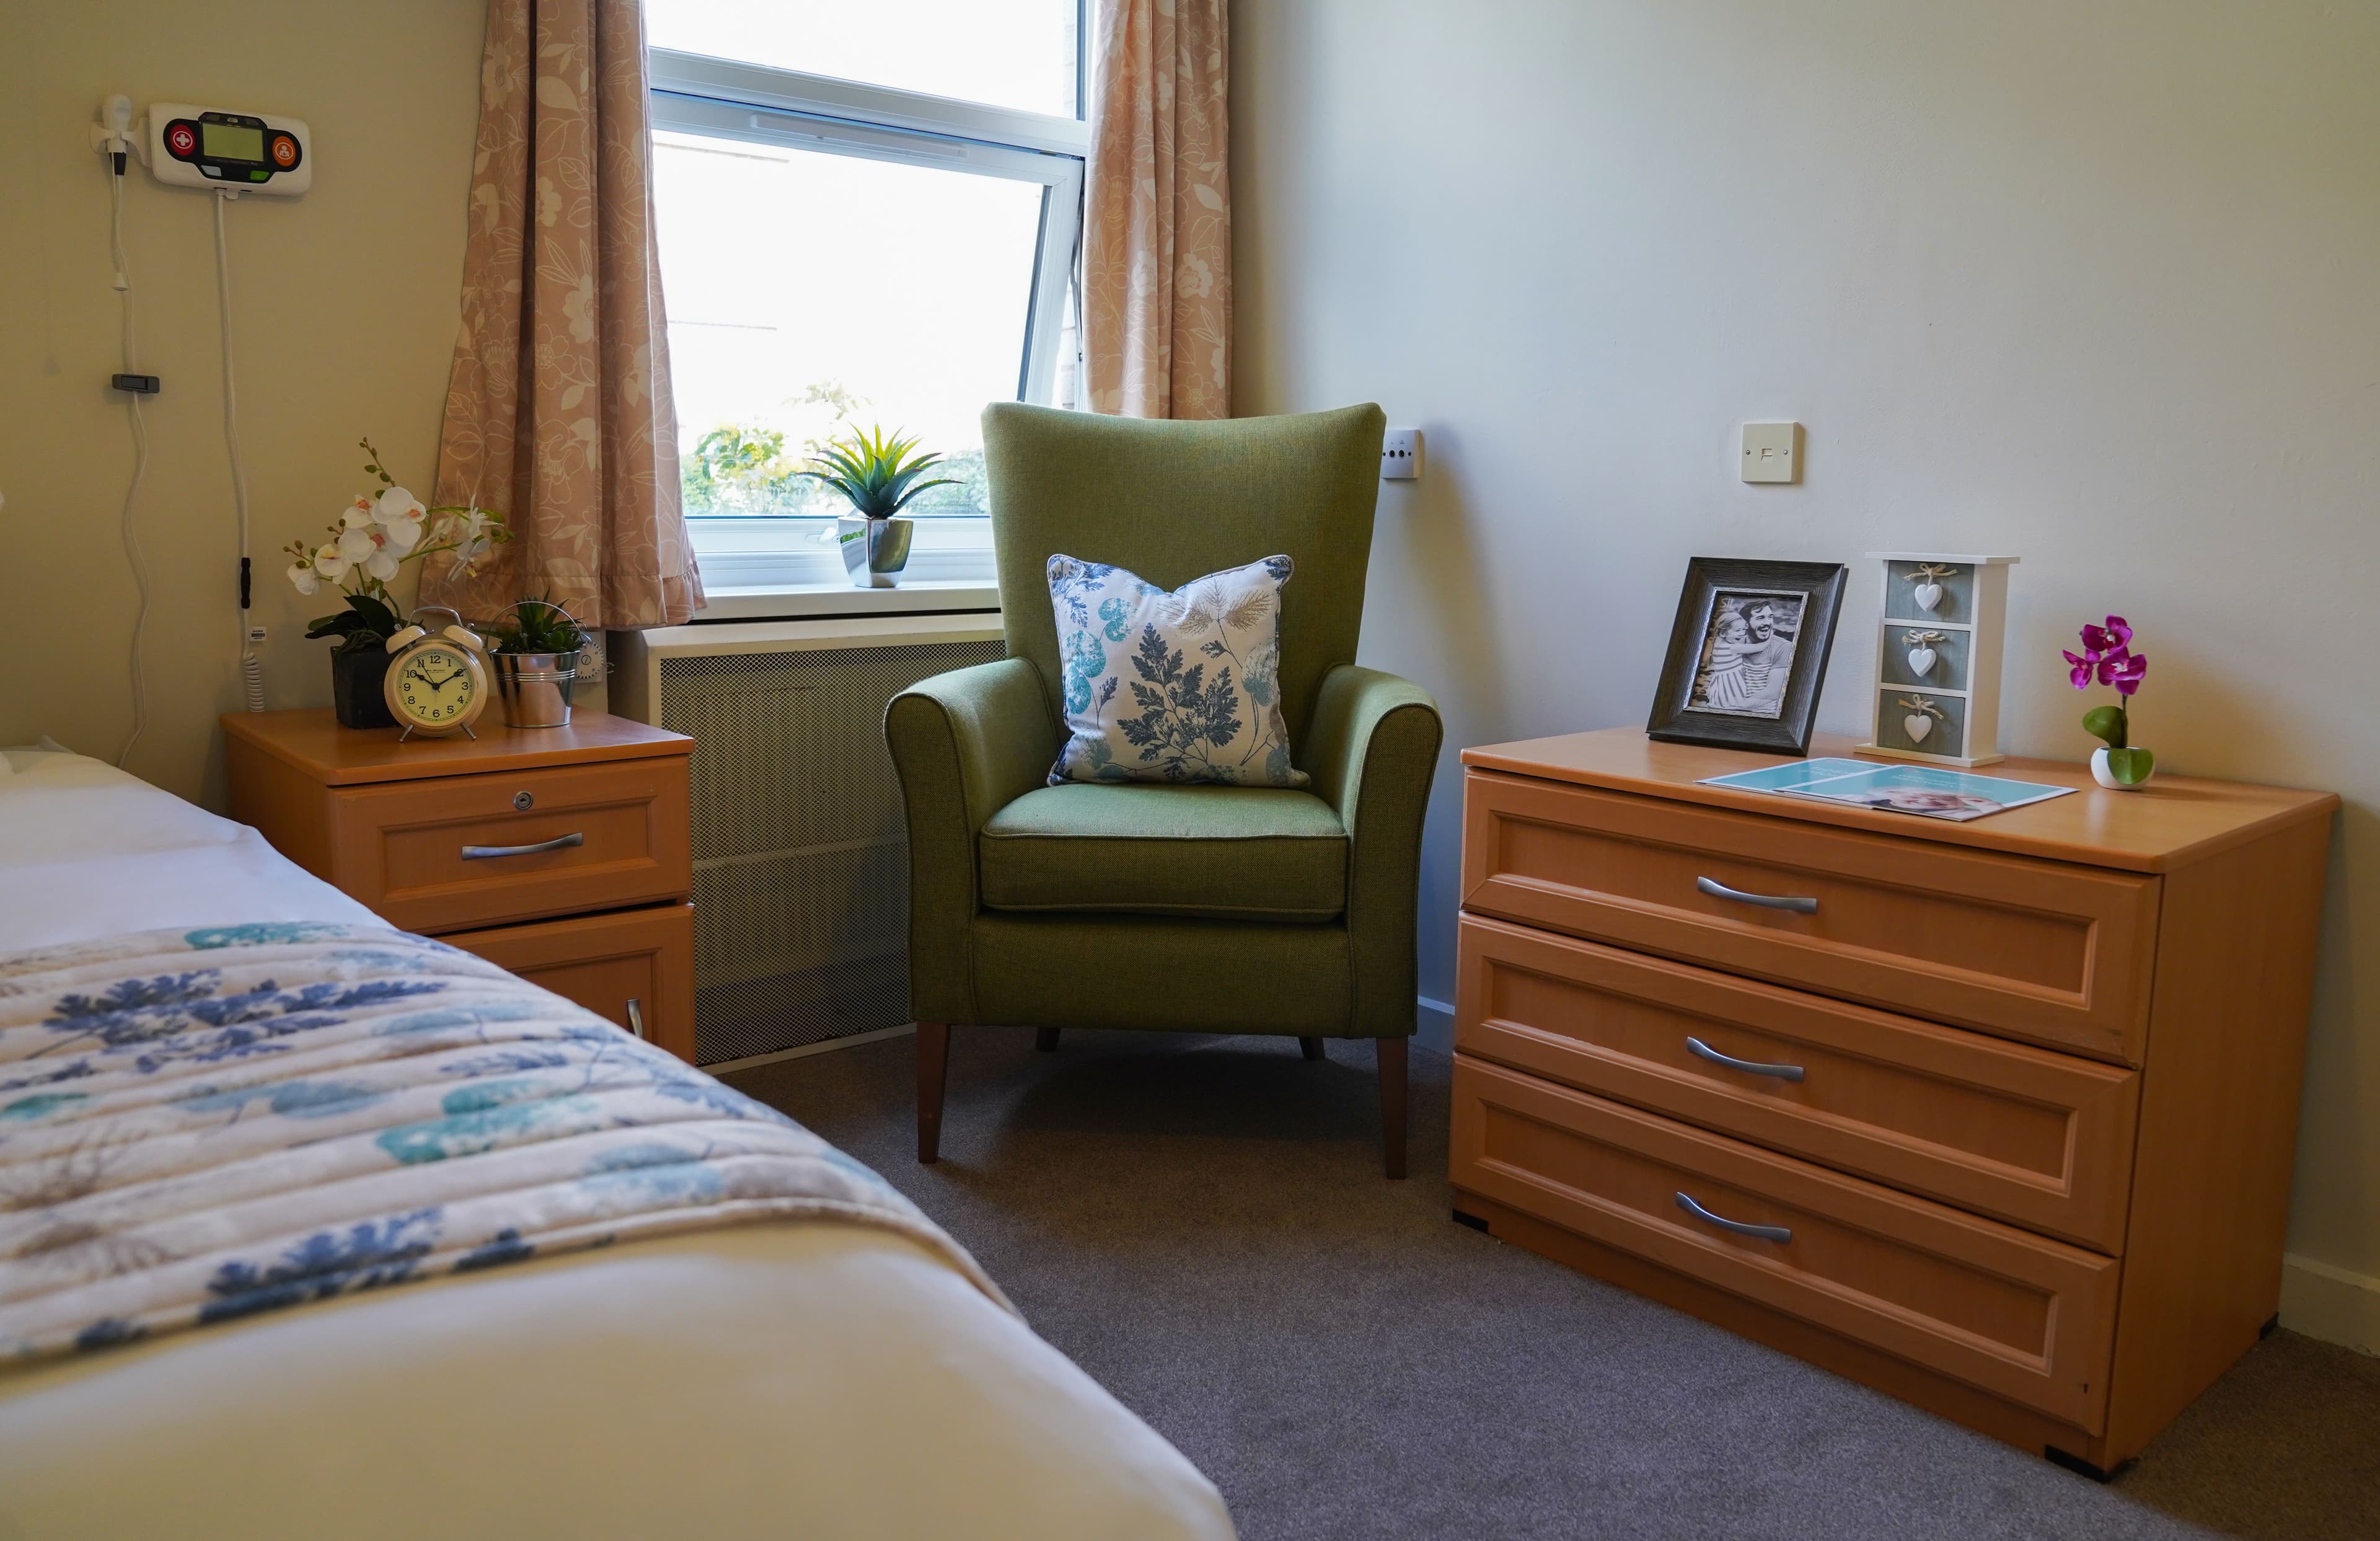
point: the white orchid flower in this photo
(381, 565)
(359, 513)
(330, 563)
(402, 536)
(397, 506)
(302, 575)
(359, 543)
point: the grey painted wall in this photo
(2096, 286)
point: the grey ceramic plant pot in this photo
(874, 551)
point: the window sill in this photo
(794, 602)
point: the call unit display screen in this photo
(230, 141)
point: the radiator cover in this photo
(801, 860)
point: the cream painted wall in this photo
(2095, 284)
(345, 306)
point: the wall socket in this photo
(1401, 454)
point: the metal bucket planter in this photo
(534, 688)
(874, 551)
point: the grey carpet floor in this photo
(1202, 1225)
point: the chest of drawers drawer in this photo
(466, 851)
(2016, 1314)
(2042, 950)
(2035, 1138)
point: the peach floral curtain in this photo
(1157, 244)
(559, 410)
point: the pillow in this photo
(1171, 687)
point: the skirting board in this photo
(2329, 1302)
(1434, 1024)
(852, 1040)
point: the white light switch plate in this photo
(1772, 451)
(1401, 454)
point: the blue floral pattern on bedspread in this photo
(198, 1126)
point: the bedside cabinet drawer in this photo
(2036, 950)
(634, 968)
(2039, 1139)
(2022, 1317)
(457, 851)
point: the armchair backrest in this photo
(1174, 500)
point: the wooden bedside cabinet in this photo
(1998, 1117)
(565, 855)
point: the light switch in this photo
(1772, 451)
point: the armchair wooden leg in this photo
(933, 1064)
(1310, 1048)
(1046, 1039)
(1391, 1053)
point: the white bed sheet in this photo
(810, 1380)
(88, 851)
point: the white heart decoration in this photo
(1921, 662)
(1919, 725)
(1928, 595)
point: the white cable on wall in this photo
(251, 668)
(139, 463)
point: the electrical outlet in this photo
(1772, 451)
(1401, 454)
(256, 636)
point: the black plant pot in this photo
(355, 688)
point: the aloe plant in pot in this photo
(878, 473)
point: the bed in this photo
(811, 1375)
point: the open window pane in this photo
(810, 292)
(1017, 53)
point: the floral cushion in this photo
(1171, 687)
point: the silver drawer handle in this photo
(559, 842)
(1764, 1233)
(1717, 890)
(1750, 1067)
(637, 1016)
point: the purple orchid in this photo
(2112, 638)
(2107, 659)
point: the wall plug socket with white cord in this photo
(114, 136)
(223, 153)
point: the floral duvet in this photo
(198, 1126)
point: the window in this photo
(868, 215)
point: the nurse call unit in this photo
(249, 152)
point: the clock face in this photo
(435, 684)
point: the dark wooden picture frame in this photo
(1720, 592)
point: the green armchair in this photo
(1192, 909)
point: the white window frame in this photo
(734, 99)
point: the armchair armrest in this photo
(1372, 751)
(966, 745)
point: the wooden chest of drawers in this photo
(1998, 1117)
(565, 855)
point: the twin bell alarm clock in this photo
(437, 683)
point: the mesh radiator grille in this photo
(801, 860)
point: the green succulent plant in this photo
(876, 471)
(537, 626)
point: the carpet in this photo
(1202, 1225)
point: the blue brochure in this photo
(1925, 790)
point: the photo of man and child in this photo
(1747, 653)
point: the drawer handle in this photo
(559, 842)
(1762, 1232)
(637, 1015)
(1750, 1067)
(1717, 890)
